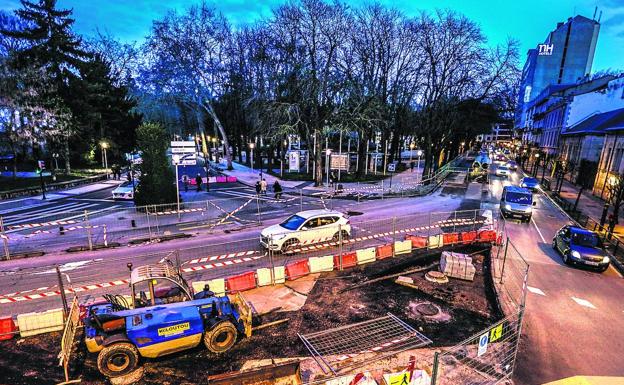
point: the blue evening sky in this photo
(528, 21)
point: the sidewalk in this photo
(249, 177)
(589, 204)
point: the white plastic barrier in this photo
(280, 274)
(263, 276)
(217, 286)
(320, 264)
(366, 255)
(31, 324)
(436, 241)
(402, 247)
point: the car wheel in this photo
(289, 244)
(554, 243)
(603, 269)
(118, 359)
(336, 237)
(566, 258)
(220, 338)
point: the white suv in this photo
(306, 227)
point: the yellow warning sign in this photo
(173, 330)
(496, 333)
(399, 379)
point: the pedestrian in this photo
(412, 164)
(198, 181)
(263, 186)
(277, 189)
(258, 188)
(185, 180)
(129, 176)
(332, 179)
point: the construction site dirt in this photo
(444, 312)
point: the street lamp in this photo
(419, 154)
(327, 157)
(214, 148)
(104, 146)
(282, 158)
(251, 161)
(176, 162)
(411, 146)
(536, 156)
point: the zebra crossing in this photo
(54, 211)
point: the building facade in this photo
(565, 57)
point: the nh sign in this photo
(545, 49)
(183, 147)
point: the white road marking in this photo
(28, 218)
(584, 302)
(538, 230)
(535, 290)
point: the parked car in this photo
(306, 227)
(125, 191)
(530, 183)
(579, 246)
(517, 202)
(512, 165)
(502, 170)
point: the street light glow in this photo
(419, 153)
(104, 144)
(252, 145)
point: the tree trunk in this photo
(66, 155)
(207, 105)
(361, 167)
(318, 160)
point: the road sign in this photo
(496, 333)
(339, 162)
(293, 161)
(41, 164)
(184, 160)
(183, 147)
(483, 344)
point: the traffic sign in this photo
(184, 160)
(483, 344)
(496, 333)
(41, 164)
(183, 147)
(339, 162)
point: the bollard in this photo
(132, 223)
(5, 240)
(61, 230)
(88, 226)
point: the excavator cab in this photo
(158, 284)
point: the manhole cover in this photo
(436, 277)
(427, 309)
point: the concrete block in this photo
(320, 264)
(31, 324)
(263, 276)
(402, 247)
(279, 273)
(366, 255)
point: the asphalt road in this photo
(574, 317)
(37, 275)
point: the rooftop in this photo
(599, 123)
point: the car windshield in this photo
(503, 168)
(293, 223)
(520, 198)
(529, 181)
(586, 240)
(126, 184)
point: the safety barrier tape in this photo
(376, 348)
(26, 291)
(222, 256)
(221, 264)
(234, 212)
(169, 212)
(32, 225)
(75, 289)
(73, 228)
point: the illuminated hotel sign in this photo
(545, 49)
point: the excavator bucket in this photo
(244, 310)
(277, 374)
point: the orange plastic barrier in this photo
(348, 260)
(450, 238)
(241, 282)
(487, 236)
(297, 269)
(7, 328)
(384, 251)
(418, 242)
(469, 237)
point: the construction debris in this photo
(457, 265)
(436, 277)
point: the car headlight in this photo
(606, 260)
(576, 254)
(277, 237)
(528, 209)
(523, 185)
(507, 207)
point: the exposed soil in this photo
(463, 309)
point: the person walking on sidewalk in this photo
(258, 188)
(277, 189)
(263, 187)
(185, 181)
(198, 181)
(412, 164)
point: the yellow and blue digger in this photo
(162, 316)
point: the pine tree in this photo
(156, 184)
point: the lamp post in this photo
(176, 162)
(214, 148)
(419, 154)
(251, 161)
(535, 162)
(282, 158)
(411, 147)
(104, 146)
(327, 155)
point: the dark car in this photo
(578, 246)
(512, 165)
(529, 183)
